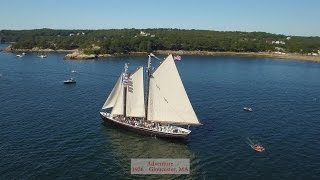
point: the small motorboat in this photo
(249, 109)
(21, 55)
(69, 81)
(257, 147)
(43, 56)
(73, 71)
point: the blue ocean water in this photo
(49, 130)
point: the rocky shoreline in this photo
(77, 54)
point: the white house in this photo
(278, 42)
(142, 33)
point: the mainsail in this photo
(168, 101)
(135, 106)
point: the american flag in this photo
(177, 57)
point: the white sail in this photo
(111, 101)
(168, 101)
(118, 108)
(135, 106)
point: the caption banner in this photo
(160, 166)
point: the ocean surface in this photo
(49, 130)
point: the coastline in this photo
(77, 54)
(35, 49)
(289, 56)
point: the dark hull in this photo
(69, 82)
(143, 131)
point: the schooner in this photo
(155, 106)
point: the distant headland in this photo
(90, 44)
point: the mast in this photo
(147, 85)
(125, 83)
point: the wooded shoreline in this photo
(92, 44)
(78, 54)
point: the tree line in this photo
(146, 40)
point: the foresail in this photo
(110, 102)
(168, 101)
(135, 106)
(118, 108)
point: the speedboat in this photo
(69, 81)
(247, 109)
(257, 147)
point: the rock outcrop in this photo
(80, 55)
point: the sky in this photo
(289, 17)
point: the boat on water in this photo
(249, 109)
(255, 145)
(69, 81)
(21, 55)
(160, 111)
(42, 56)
